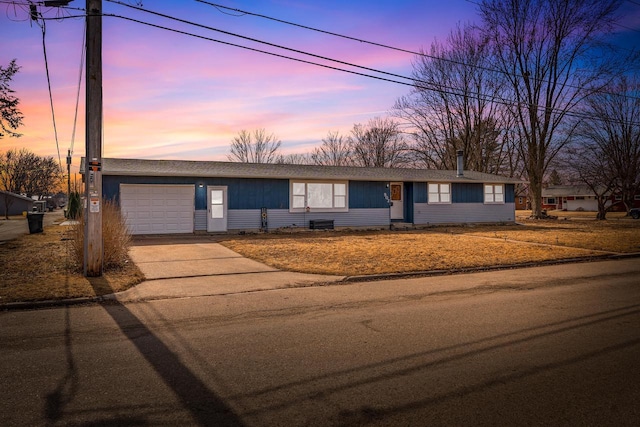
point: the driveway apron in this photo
(174, 270)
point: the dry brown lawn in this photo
(438, 248)
(40, 267)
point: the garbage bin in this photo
(35, 221)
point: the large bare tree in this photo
(455, 105)
(553, 55)
(379, 143)
(23, 172)
(608, 155)
(259, 147)
(10, 115)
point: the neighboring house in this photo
(522, 202)
(17, 203)
(579, 198)
(167, 196)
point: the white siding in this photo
(201, 220)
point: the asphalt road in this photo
(516, 351)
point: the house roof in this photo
(16, 196)
(567, 191)
(205, 169)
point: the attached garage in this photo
(158, 209)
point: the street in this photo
(556, 345)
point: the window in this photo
(318, 196)
(439, 193)
(550, 201)
(493, 193)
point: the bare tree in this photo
(295, 159)
(10, 116)
(589, 166)
(257, 148)
(455, 105)
(379, 144)
(609, 155)
(334, 151)
(23, 172)
(544, 50)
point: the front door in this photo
(397, 203)
(217, 210)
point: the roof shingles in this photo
(205, 169)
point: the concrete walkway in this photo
(202, 268)
(16, 227)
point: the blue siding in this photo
(467, 193)
(408, 201)
(243, 193)
(510, 193)
(420, 192)
(368, 195)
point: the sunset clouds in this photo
(169, 95)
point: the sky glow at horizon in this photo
(172, 96)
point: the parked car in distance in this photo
(635, 213)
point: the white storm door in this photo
(397, 207)
(217, 208)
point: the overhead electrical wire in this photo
(385, 46)
(421, 85)
(415, 84)
(53, 114)
(75, 117)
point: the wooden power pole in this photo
(93, 248)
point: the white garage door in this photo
(158, 209)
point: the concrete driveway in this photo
(191, 267)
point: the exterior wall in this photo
(249, 219)
(17, 205)
(368, 205)
(425, 213)
(587, 203)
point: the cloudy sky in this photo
(175, 96)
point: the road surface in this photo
(527, 349)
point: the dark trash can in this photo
(35, 221)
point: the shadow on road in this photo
(67, 387)
(203, 404)
(313, 388)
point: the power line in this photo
(415, 84)
(420, 53)
(75, 117)
(438, 86)
(53, 115)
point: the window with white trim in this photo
(494, 193)
(318, 196)
(439, 193)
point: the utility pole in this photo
(93, 248)
(68, 176)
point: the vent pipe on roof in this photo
(460, 163)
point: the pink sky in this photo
(170, 96)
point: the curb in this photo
(430, 273)
(111, 298)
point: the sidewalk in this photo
(202, 268)
(16, 227)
